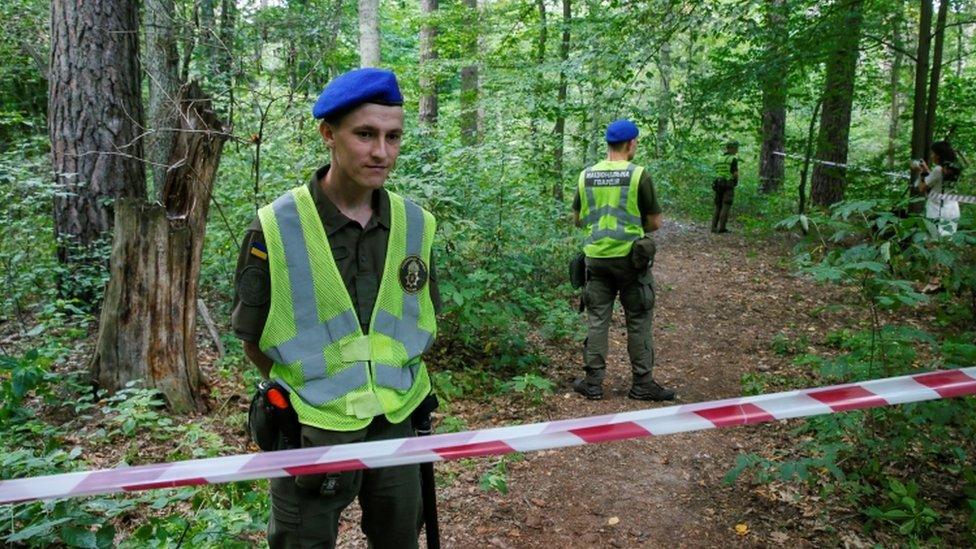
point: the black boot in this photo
(588, 390)
(650, 391)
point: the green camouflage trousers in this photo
(606, 278)
(723, 204)
(305, 509)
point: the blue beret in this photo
(621, 130)
(349, 90)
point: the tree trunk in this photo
(428, 56)
(147, 329)
(919, 101)
(560, 129)
(95, 120)
(539, 90)
(663, 100)
(227, 55)
(808, 150)
(369, 33)
(828, 182)
(921, 75)
(162, 70)
(895, 111)
(771, 164)
(208, 33)
(469, 76)
(959, 51)
(933, 99)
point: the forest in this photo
(139, 139)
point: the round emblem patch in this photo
(254, 287)
(413, 274)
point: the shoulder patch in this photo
(259, 250)
(254, 286)
(413, 274)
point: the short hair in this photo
(619, 146)
(944, 150)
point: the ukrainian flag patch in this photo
(259, 251)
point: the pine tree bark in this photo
(560, 128)
(771, 164)
(369, 33)
(828, 181)
(147, 329)
(162, 72)
(95, 122)
(469, 77)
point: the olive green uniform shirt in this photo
(359, 252)
(647, 202)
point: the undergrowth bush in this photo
(907, 468)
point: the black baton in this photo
(422, 425)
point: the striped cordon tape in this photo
(965, 198)
(501, 440)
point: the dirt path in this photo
(721, 300)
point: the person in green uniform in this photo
(617, 208)
(335, 300)
(726, 179)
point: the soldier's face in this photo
(365, 144)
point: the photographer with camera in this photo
(945, 170)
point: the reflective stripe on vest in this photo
(406, 330)
(626, 226)
(312, 335)
(338, 343)
(723, 166)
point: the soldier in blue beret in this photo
(617, 207)
(335, 302)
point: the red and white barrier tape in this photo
(963, 198)
(502, 440)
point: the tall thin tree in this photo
(469, 75)
(663, 99)
(829, 180)
(936, 74)
(775, 71)
(894, 85)
(369, 33)
(560, 128)
(428, 71)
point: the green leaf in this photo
(79, 537)
(105, 537)
(40, 529)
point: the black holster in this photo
(642, 253)
(577, 271)
(272, 427)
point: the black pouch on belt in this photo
(577, 271)
(271, 420)
(642, 253)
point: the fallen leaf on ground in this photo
(741, 529)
